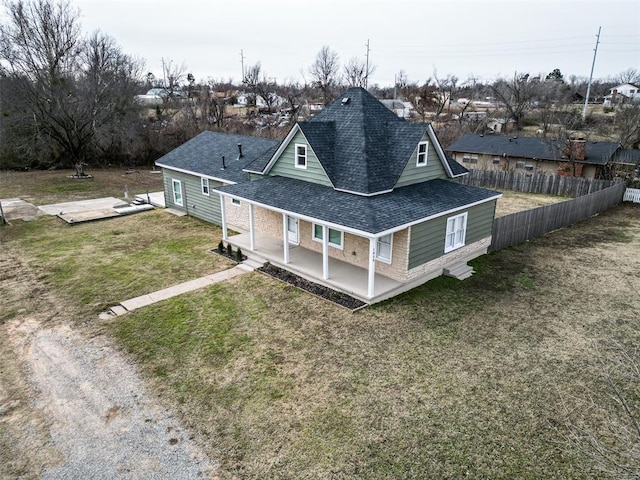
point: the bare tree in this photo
(632, 75)
(627, 125)
(324, 72)
(356, 73)
(65, 93)
(515, 95)
(445, 88)
(423, 98)
(260, 85)
(293, 93)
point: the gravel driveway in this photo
(80, 409)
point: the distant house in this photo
(625, 93)
(500, 125)
(400, 108)
(627, 161)
(578, 158)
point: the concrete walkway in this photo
(144, 300)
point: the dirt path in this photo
(71, 406)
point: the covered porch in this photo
(342, 276)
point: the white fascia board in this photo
(354, 231)
(295, 129)
(195, 174)
(443, 158)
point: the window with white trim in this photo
(235, 201)
(384, 248)
(177, 191)
(205, 186)
(456, 232)
(336, 237)
(301, 155)
(421, 160)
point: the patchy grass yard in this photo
(53, 186)
(453, 379)
(513, 202)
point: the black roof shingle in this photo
(370, 214)
(598, 153)
(202, 155)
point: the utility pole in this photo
(366, 72)
(242, 63)
(593, 64)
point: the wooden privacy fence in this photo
(535, 183)
(632, 195)
(519, 227)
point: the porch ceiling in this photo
(343, 276)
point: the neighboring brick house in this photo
(361, 201)
(578, 158)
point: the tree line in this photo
(69, 99)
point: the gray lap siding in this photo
(427, 239)
(194, 202)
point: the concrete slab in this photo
(154, 198)
(80, 216)
(18, 209)
(82, 206)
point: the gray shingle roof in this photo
(598, 153)
(369, 214)
(627, 156)
(370, 145)
(202, 155)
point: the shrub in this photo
(220, 247)
(229, 250)
(239, 255)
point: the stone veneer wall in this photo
(466, 253)
(237, 216)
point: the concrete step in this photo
(118, 310)
(459, 270)
(254, 263)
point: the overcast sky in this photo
(485, 39)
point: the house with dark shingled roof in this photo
(356, 199)
(573, 157)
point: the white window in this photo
(422, 154)
(384, 248)
(468, 158)
(235, 201)
(456, 232)
(177, 191)
(205, 186)
(496, 160)
(336, 237)
(301, 155)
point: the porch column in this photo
(372, 268)
(285, 237)
(223, 217)
(252, 229)
(325, 252)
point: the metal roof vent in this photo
(345, 100)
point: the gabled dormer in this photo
(359, 146)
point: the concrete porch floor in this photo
(308, 264)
